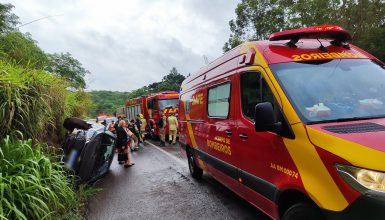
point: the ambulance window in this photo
(267, 94)
(254, 90)
(188, 104)
(218, 101)
(186, 98)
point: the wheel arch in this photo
(289, 197)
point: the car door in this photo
(257, 150)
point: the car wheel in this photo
(195, 171)
(302, 211)
(86, 168)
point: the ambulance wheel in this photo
(302, 211)
(195, 171)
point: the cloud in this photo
(129, 44)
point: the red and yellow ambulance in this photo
(150, 106)
(295, 125)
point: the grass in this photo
(36, 103)
(33, 182)
(32, 186)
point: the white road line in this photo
(181, 162)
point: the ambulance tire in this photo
(302, 211)
(195, 171)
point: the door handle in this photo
(243, 136)
(228, 133)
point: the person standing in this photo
(172, 128)
(142, 126)
(135, 137)
(162, 129)
(138, 124)
(122, 144)
(117, 123)
(112, 127)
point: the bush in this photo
(31, 186)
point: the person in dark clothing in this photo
(117, 123)
(162, 129)
(122, 143)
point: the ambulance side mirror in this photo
(265, 119)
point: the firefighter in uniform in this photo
(162, 129)
(142, 126)
(172, 128)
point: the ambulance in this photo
(295, 125)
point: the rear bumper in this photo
(369, 206)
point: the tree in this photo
(172, 81)
(66, 66)
(8, 20)
(21, 49)
(257, 19)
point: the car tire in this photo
(302, 211)
(195, 171)
(90, 158)
(86, 169)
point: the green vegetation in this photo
(66, 66)
(28, 99)
(36, 103)
(257, 19)
(32, 186)
(22, 50)
(108, 101)
(8, 20)
(34, 100)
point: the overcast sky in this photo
(127, 44)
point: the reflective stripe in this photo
(315, 177)
(192, 137)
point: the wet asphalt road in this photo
(159, 186)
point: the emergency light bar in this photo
(316, 32)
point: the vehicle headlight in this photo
(362, 179)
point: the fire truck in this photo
(120, 112)
(150, 107)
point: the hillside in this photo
(108, 101)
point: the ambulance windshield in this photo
(334, 90)
(168, 103)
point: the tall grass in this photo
(36, 103)
(33, 105)
(24, 101)
(31, 186)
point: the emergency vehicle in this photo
(120, 112)
(150, 107)
(295, 125)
